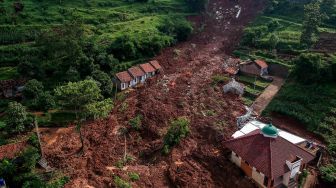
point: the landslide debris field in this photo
(184, 89)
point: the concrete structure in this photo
(148, 69)
(269, 156)
(137, 74)
(123, 80)
(257, 67)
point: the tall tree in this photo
(16, 117)
(312, 20)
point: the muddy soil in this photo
(183, 89)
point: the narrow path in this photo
(265, 98)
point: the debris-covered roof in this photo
(124, 76)
(155, 64)
(11, 150)
(147, 67)
(266, 154)
(261, 63)
(136, 71)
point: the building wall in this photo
(251, 69)
(286, 178)
(258, 177)
(235, 159)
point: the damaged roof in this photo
(261, 63)
(155, 64)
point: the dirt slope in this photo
(184, 89)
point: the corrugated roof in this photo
(146, 67)
(124, 76)
(268, 155)
(136, 71)
(155, 64)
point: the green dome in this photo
(270, 131)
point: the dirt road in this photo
(184, 89)
(266, 97)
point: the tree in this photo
(99, 110)
(106, 85)
(308, 68)
(76, 95)
(329, 173)
(32, 89)
(273, 41)
(178, 129)
(16, 117)
(328, 6)
(312, 20)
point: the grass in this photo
(7, 73)
(253, 88)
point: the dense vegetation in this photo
(280, 36)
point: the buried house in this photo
(256, 67)
(148, 69)
(137, 74)
(271, 157)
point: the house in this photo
(257, 67)
(271, 157)
(148, 69)
(156, 66)
(137, 74)
(124, 80)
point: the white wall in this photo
(235, 159)
(286, 178)
(258, 177)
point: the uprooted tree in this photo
(179, 128)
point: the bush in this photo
(33, 89)
(120, 183)
(216, 79)
(33, 140)
(136, 122)
(134, 176)
(329, 173)
(16, 117)
(178, 129)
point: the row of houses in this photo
(137, 74)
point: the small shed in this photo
(257, 67)
(156, 66)
(148, 69)
(137, 74)
(234, 87)
(123, 80)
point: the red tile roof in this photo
(136, 71)
(124, 76)
(155, 64)
(147, 68)
(11, 150)
(268, 155)
(261, 63)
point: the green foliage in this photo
(177, 27)
(219, 79)
(252, 35)
(329, 173)
(134, 176)
(7, 73)
(312, 20)
(106, 85)
(197, 5)
(99, 110)
(178, 129)
(120, 183)
(76, 95)
(33, 140)
(273, 41)
(310, 68)
(33, 89)
(16, 117)
(135, 122)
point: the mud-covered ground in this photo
(183, 89)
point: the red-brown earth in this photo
(183, 89)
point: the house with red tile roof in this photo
(269, 159)
(123, 80)
(148, 69)
(137, 74)
(257, 67)
(156, 65)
